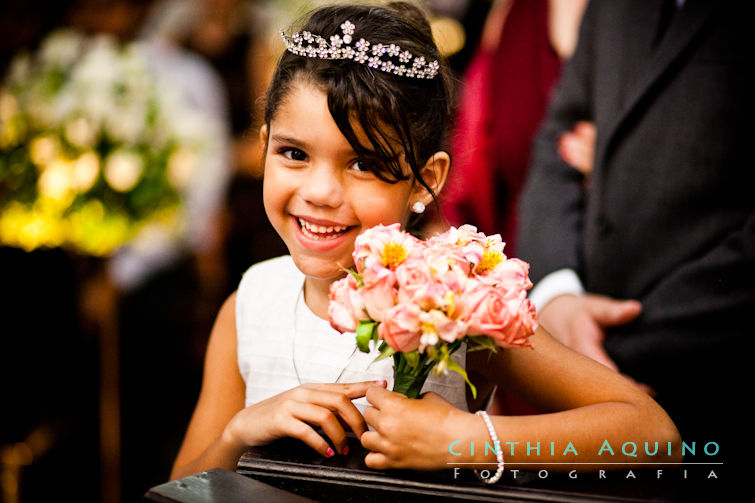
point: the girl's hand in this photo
(296, 412)
(402, 437)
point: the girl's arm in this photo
(587, 406)
(221, 429)
(221, 397)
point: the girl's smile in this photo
(321, 234)
(321, 229)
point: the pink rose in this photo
(511, 273)
(411, 276)
(379, 293)
(497, 313)
(529, 319)
(345, 308)
(401, 327)
(523, 323)
(514, 272)
(466, 303)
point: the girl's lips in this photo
(320, 222)
(320, 234)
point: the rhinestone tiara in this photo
(387, 58)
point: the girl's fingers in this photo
(371, 417)
(376, 460)
(325, 419)
(305, 433)
(381, 397)
(353, 418)
(337, 402)
(351, 390)
(373, 441)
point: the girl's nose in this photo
(322, 187)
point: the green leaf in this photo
(385, 351)
(357, 277)
(412, 358)
(480, 343)
(364, 335)
(452, 365)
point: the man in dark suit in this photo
(668, 217)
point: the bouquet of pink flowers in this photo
(421, 300)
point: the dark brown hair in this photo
(389, 108)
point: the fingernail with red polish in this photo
(345, 450)
(329, 452)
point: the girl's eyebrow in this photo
(287, 139)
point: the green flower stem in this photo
(409, 380)
(410, 371)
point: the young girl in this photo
(354, 128)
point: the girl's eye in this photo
(294, 154)
(360, 166)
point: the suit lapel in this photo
(641, 20)
(686, 24)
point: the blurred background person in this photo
(503, 97)
(651, 269)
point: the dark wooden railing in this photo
(289, 471)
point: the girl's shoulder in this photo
(266, 284)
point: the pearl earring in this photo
(418, 207)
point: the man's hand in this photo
(577, 147)
(579, 322)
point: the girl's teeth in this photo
(313, 230)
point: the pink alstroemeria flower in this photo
(447, 329)
(386, 246)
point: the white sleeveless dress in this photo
(282, 343)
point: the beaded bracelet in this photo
(498, 451)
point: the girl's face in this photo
(317, 194)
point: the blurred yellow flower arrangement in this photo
(92, 146)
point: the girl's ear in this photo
(434, 172)
(263, 135)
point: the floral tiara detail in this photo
(386, 58)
